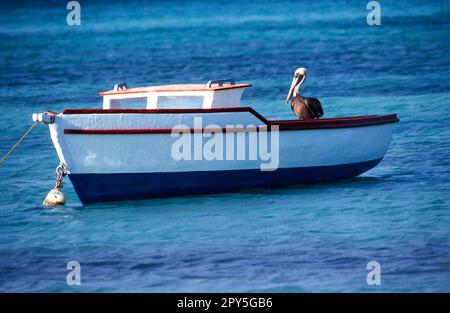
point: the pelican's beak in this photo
(294, 84)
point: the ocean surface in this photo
(297, 239)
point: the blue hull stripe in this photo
(128, 186)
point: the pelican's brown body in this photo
(303, 107)
(306, 107)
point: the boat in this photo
(172, 140)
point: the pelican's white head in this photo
(297, 81)
(300, 71)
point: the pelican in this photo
(303, 107)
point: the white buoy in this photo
(54, 197)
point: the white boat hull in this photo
(119, 155)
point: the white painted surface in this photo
(163, 120)
(126, 153)
(211, 99)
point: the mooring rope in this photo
(17, 143)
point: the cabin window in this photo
(129, 103)
(168, 102)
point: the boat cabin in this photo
(214, 94)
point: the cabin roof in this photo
(173, 88)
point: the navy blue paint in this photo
(112, 187)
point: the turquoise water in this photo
(315, 238)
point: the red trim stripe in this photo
(284, 125)
(346, 122)
(304, 125)
(155, 111)
(162, 89)
(157, 131)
